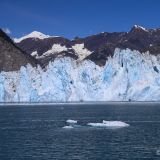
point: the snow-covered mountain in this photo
(96, 48)
(34, 34)
(76, 70)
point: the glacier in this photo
(127, 76)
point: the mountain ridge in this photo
(101, 45)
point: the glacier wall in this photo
(127, 76)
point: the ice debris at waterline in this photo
(127, 76)
(68, 127)
(108, 124)
(71, 126)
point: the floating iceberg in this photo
(115, 123)
(97, 124)
(109, 124)
(72, 124)
(71, 121)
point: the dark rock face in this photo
(102, 45)
(44, 61)
(12, 57)
(30, 45)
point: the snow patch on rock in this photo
(81, 51)
(56, 48)
(137, 26)
(35, 54)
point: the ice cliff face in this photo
(127, 76)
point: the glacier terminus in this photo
(127, 76)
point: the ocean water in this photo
(36, 132)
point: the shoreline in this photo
(79, 103)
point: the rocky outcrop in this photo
(12, 57)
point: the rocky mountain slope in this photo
(96, 48)
(12, 57)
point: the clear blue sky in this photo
(70, 18)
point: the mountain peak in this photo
(138, 27)
(34, 34)
(38, 34)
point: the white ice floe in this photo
(115, 123)
(71, 121)
(71, 124)
(68, 127)
(109, 124)
(97, 124)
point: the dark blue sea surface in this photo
(36, 132)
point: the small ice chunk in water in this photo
(68, 127)
(71, 121)
(71, 124)
(109, 124)
(115, 123)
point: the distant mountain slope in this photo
(12, 57)
(96, 48)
